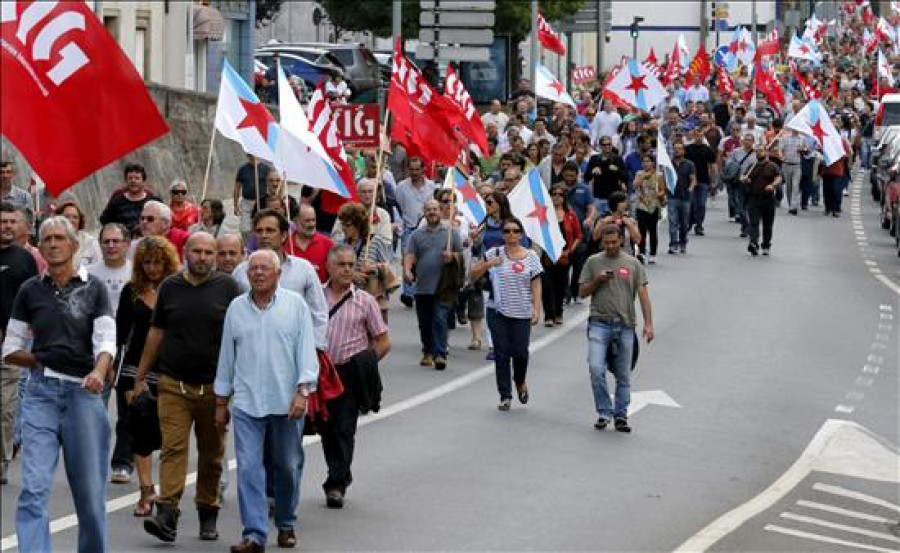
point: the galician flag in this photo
(884, 68)
(664, 163)
(804, 49)
(547, 86)
(468, 202)
(813, 121)
(636, 85)
(530, 203)
(241, 117)
(299, 153)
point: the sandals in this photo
(144, 507)
(475, 344)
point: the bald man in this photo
(308, 243)
(230, 252)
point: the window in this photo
(111, 22)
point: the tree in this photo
(266, 11)
(513, 17)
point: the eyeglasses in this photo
(605, 144)
(512, 231)
(179, 192)
(489, 202)
(148, 218)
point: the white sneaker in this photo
(651, 259)
(120, 476)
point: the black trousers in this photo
(338, 439)
(648, 224)
(761, 209)
(553, 290)
(121, 455)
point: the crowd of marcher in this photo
(278, 329)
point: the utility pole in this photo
(753, 20)
(600, 37)
(397, 18)
(704, 23)
(534, 44)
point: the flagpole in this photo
(212, 141)
(379, 175)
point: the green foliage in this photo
(513, 17)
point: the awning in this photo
(208, 23)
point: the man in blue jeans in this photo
(268, 366)
(69, 315)
(612, 279)
(679, 205)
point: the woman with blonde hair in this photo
(155, 258)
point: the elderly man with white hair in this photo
(156, 220)
(267, 368)
(61, 327)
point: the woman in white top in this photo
(514, 307)
(88, 247)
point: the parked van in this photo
(888, 114)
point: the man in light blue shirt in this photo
(268, 366)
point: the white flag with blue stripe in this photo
(530, 203)
(664, 163)
(638, 86)
(468, 202)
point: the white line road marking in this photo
(890, 284)
(859, 496)
(882, 337)
(886, 316)
(878, 345)
(871, 369)
(885, 307)
(855, 395)
(639, 400)
(839, 447)
(827, 539)
(842, 527)
(885, 326)
(845, 409)
(846, 512)
(871, 263)
(864, 382)
(877, 359)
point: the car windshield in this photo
(891, 115)
(344, 56)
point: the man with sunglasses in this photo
(156, 220)
(607, 173)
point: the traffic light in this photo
(635, 30)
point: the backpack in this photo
(732, 170)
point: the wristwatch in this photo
(303, 390)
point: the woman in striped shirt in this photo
(514, 307)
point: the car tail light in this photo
(880, 115)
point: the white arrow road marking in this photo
(639, 400)
(839, 447)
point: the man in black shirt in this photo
(16, 266)
(67, 316)
(125, 204)
(679, 205)
(185, 333)
(761, 181)
(607, 173)
(702, 156)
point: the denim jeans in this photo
(865, 153)
(698, 206)
(511, 337)
(285, 443)
(58, 413)
(679, 215)
(600, 336)
(432, 317)
(740, 206)
(24, 375)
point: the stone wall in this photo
(181, 154)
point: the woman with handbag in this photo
(155, 258)
(556, 275)
(373, 253)
(650, 189)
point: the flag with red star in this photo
(469, 203)
(530, 203)
(813, 121)
(241, 117)
(548, 86)
(636, 85)
(804, 49)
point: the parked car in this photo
(361, 69)
(885, 179)
(888, 114)
(312, 67)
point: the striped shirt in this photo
(353, 325)
(790, 148)
(511, 283)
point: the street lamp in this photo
(635, 31)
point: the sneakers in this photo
(427, 360)
(682, 249)
(792, 211)
(120, 476)
(622, 426)
(522, 391)
(753, 249)
(672, 251)
(651, 259)
(287, 539)
(601, 423)
(765, 251)
(699, 232)
(334, 499)
(504, 404)
(440, 362)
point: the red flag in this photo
(808, 90)
(726, 84)
(423, 121)
(548, 38)
(72, 101)
(868, 17)
(770, 87)
(471, 125)
(673, 70)
(321, 119)
(651, 57)
(700, 67)
(769, 46)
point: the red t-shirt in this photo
(178, 237)
(187, 216)
(316, 252)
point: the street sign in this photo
(458, 5)
(358, 124)
(456, 19)
(582, 21)
(719, 56)
(457, 36)
(453, 53)
(584, 74)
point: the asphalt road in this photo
(766, 419)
